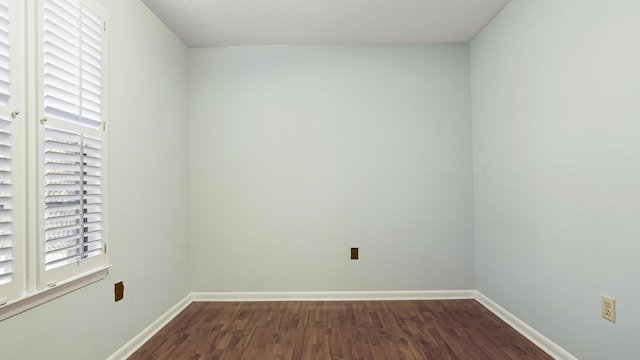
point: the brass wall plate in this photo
(119, 291)
(354, 253)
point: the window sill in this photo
(39, 297)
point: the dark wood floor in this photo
(451, 329)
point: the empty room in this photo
(302, 179)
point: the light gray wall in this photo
(148, 203)
(556, 143)
(298, 153)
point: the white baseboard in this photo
(554, 350)
(334, 295)
(134, 344)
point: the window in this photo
(65, 215)
(71, 133)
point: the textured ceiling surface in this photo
(206, 23)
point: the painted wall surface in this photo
(298, 153)
(148, 203)
(556, 129)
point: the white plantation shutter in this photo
(63, 197)
(72, 132)
(5, 56)
(6, 231)
(72, 62)
(91, 68)
(73, 197)
(62, 59)
(6, 241)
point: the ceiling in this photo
(208, 23)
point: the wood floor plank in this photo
(447, 330)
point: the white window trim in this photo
(39, 297)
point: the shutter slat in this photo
(5, 75)
(62, 225)
(5, 241)
(64, 257)
(62, 234)
(63, 243)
